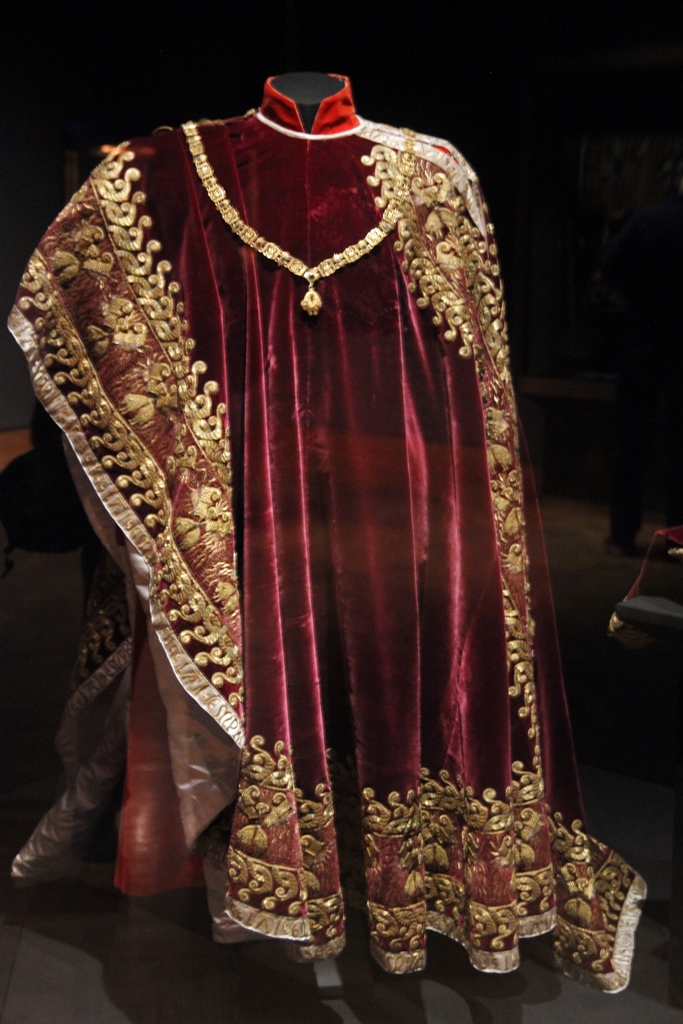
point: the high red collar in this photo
(335, 114)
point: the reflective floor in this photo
(77, 952)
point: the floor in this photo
(77, 952)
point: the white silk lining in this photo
(204, 760)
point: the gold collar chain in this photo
(311, 302)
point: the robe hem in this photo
(617, 980)
(296, 929)
(406, 962)
(489, 962)
(307, 954)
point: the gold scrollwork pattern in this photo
(121, 359)
(595, 904)
(492, 871)
(446, 850)
(283, 874)
(480, 869)
(398, 936)
(600, 907)
(448, 853)
(453, 269)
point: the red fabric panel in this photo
(152, 853)
(335, 114)
(370, 573)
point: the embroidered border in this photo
(283, 875)
(133, 344)
(105, 645)
(442, 154)
(453, 269)
(480, 870)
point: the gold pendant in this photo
(311, 302)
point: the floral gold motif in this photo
(104, 232)
(271, 813)
(452, 265)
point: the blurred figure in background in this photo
(644, 265)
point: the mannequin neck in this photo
(307, 89)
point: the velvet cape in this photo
(337, 561)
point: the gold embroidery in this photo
(269, 809)
(594, 884)
(213, 515)
(454, 270)
(451, 836)
(446, 296)
(572, 846)
(157, 298)
(264, 769)
(106, 620)
(257, 878)
(326, 916)
(86, 254)
(400, 928)
(160, 394)
(493, 925)
(397, 820)
(441, 849)
(169, 386)
(443, 832)
(535, 887)
(122, 322)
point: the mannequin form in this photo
(307, 89)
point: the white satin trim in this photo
(428, 147)
(115, 505)
(204, 761)
(223, 928)
(305, 135)
(63, 834)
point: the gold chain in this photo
(311, 302)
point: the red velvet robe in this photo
(340, 566)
